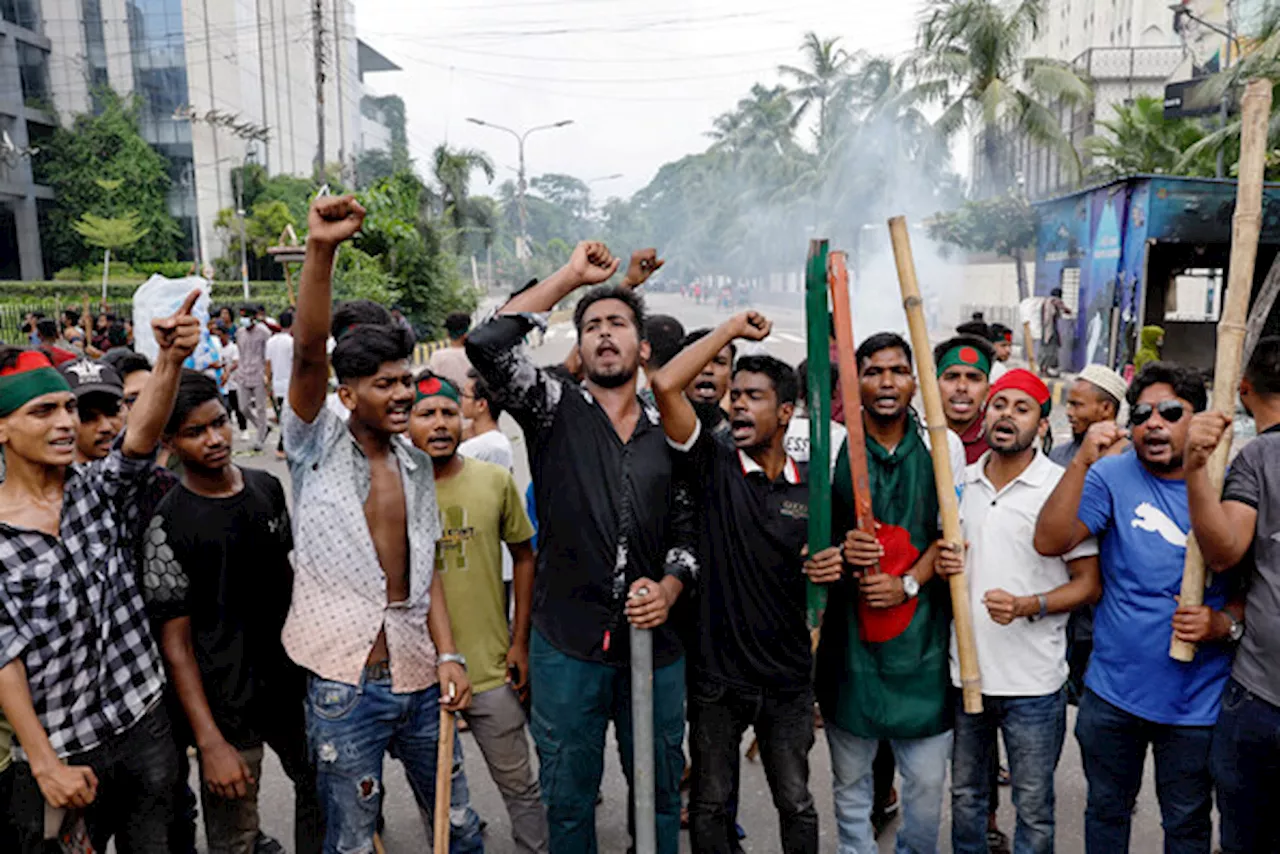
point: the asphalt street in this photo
(405, 833)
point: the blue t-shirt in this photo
(1142, 522)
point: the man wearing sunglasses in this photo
(1245, 517)
(1135, 503)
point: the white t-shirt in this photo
(1025, 658)
(998, 369)
(491, 447)
(280, 358)
(796, 442)
(230, 355)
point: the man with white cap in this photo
(1094, 396)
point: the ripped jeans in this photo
(349, 729)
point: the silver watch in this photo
(453, 658)
(910, 586)
(1237, 628)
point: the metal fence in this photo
(12, 315)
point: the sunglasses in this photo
(1170, 410)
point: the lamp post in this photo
(521, 185)
(250, 156)
(1181, 11)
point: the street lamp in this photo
(521, 186)
(250, 156)
(1181, 11)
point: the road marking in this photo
(789, 336)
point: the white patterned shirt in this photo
(339, 587)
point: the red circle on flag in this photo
(969, 356)
(430, 386)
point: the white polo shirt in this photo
(1025, 658)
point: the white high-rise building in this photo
(1125, 49)
(213, 74)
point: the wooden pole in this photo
(850, 394)
(1028, 346)
(1246, 224)
(819, 387)
(970, 678)
(444, 782)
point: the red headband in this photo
(1022, 380)
(28, 360)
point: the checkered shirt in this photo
(339, 588)
(73, 612)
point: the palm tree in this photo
(452, 168)
(818, 83)
(970, 57)
(763, 120)
(1141, 140)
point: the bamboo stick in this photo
(1246, 224)
(444, 782)
(970, 678)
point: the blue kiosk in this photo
(1146, 250)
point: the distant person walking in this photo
(279, 365)
(1052, 311)
(452, 362)
(252, 339)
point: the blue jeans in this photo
(1034, 729)
(573, 702)
(1113, 745)
(1245, 759)
(923, 765)
(349, 729)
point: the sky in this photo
(641, 81)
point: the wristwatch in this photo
(910, 587)
(1236, 632)
(453, 658)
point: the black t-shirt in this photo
(224, 562)
(751, 629)
(609, 512)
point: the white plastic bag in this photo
(161, 297)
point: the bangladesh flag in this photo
(885, 674)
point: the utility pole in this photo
(317, 20)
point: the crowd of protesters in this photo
(152, 613)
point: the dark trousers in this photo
(1245, 759)
(1113, 745)
(718, 717)
(573, 702)
(136, 771)
(233, 401)
(8, 833)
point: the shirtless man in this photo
(368, 618)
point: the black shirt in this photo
(608, 512)
(751, 626)
(224, 562)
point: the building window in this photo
(24, 13)
(33, 70)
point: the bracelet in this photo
(453, 658)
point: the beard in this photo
(1021, 442)
(617, 379)
(1172, 465)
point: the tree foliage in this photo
(1003, 225)
(972, 59)
(106, 147)
(113, 233)
(1139, 139)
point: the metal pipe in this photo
(642, 771)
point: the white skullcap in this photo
(1106, 379)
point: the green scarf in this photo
(899, 688)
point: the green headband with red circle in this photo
(434, 386)
(967, 355)
(31, 376)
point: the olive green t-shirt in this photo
(480, 509)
